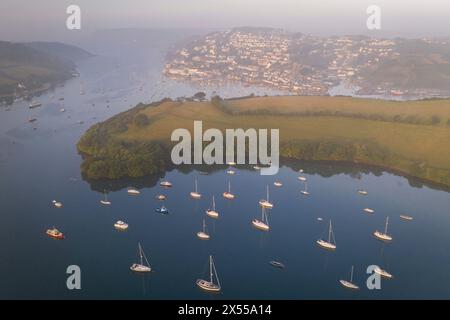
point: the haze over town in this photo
(45, 20)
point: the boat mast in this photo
(196, 185)
(351, 276)
(140, 253)
(386, 226)
(211, 269)
(229, 187)
(329, 233)
(214, 204)
(204, 226)
(267, 193)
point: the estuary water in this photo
(39, 163)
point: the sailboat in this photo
(210, 286)
(383, 273)
(141, 267)
(166, 184)
(195, 194)
(262, 224)
(405, 217)
(349, 284)
(212, 212)
(228, 195)
(133, 191)
(105, 201)
(369, 210)
(383, 236)
(328, 244)
(202, 235)
(265, 203)
(301, 178)
(305, 190)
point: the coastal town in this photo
(290, 62)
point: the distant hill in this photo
(28, 67)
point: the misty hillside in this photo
(25, 67)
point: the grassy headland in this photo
(410, 137)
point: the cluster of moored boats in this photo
(260, 223)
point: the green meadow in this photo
(411, 137)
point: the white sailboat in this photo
(105, 201)
(369, 210)
(133, 191)
(195, 194)
(202, 235)
(383, 236)
(141, 267)
(228, 195)
(328, 244)
(383, 273)
(166, 184)
(349, 284)
(301, 178)
(212, 212)
(210, 286)
(405, 217)
(305, 191)
(265, 203)
(262, 224)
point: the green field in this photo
(409, 137)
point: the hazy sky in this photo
(45, 19)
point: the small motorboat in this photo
(277, 264)
(34, 104)
(407, 218)
(301, 178)
(57, 204)
(162, 210)
(277, 184)
(55, 234)
(363, 192)
(161, 197)
(368, 210)
(120, 225)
